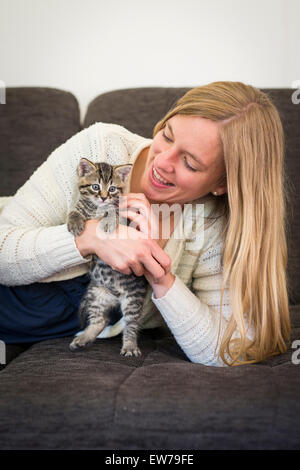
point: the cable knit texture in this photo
(35, 245)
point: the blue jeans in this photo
(40, 311)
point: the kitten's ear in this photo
(85, 167)
(123, 171)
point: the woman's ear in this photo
(222, 186)
(222, 190)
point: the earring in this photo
(215, 193)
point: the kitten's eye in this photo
(95, 187)
(112, 189)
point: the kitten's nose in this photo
(103, 198)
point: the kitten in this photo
(100, 186)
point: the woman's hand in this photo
(136, 208)
(126, 249)
(162, 285)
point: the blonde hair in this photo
(254, 254)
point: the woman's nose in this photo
(166, 160)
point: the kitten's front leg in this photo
(88, 336)
(75, 223)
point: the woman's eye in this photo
(112, 189)
(165, 137)
(188, 166)
(185, 159)
(95, 187)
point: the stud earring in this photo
(215, 193)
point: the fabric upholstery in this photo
(51, 398)
(33, 122)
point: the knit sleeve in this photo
(193, 323)
(34, 240)
(192, 314)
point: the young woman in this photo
(225, 302)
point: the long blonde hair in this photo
(254, 255)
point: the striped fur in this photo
(108, 289)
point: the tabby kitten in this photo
(100, 186)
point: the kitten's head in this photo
(101, 182)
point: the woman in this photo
(221, 145)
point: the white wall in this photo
(92, 46)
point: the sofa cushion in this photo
(51, 398)
(33, 122)
(137, 109)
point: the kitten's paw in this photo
(75, 229)
(78, 343)
(75, 224)
(129, 351)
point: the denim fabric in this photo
(40, 311)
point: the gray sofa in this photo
(51, 398)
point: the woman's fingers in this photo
(161, 257)
(138, 201)
(137, 268)
(140, 222)
(137, 209)
(141, 208)
(155, 260)
(123, 269)
(153, 267)
(141, 256)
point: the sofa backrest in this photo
(34, 121)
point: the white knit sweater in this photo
(35, 245)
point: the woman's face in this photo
(184, 161)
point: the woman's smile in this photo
(157, 180)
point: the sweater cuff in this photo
(179, 304)
(58, 249)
